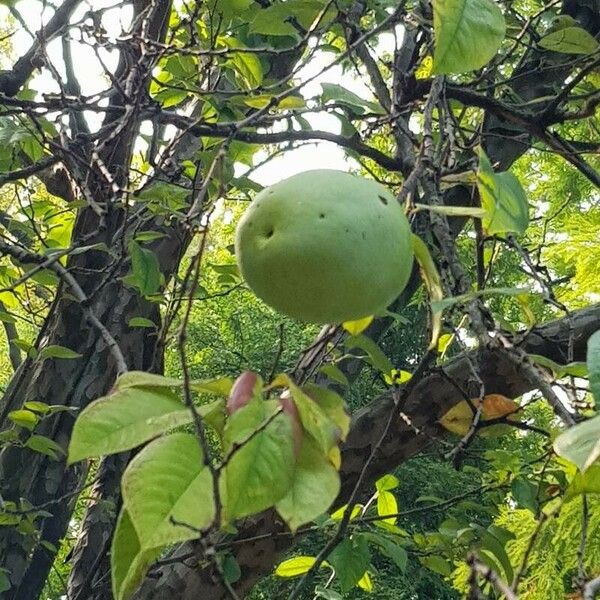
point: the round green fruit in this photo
(325, 246)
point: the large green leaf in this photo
(375, 354)
(129, 417)
(168, 491)
(389, 548)
(315, 486)
(145, 272)
(341, 95)
(570, 40)
(276, 19)
(350, 560)
(332, 405)
(593, 364)
(581, 443)
(467, 33)
(220, 385)
(584, 483)
(504, 199)
(261, 460)
(315, 421)
(128, 561)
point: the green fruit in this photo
(325, 246)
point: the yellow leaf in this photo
(397, 377)
(358, 326)
(433, 283)
(339, 513)
(460, 417)
(293, 567)
(365, 582)
(424, 70)
(335, 457)
(387, 505)
(444, 341)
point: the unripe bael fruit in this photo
(325, 246)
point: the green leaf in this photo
(376, 356)
(332, 405)
(388, 548)
(7, 318)
(437, 564)
(220, 385)
(334, 374)
(315, 420)
(350, 559)
(525, 494)
(581, 443)
(387, 505)
(593, 364)
(44, 445)
(341, 95)
(35, 406)
(231, 568)
(259, 472)
(584, 483)
(576, 369)
(570, 40)
(262, 100)
(503, 198)
(276, 19)
(468, 33)
(315, 486)
(326, 593)
(55, 351)
(168, 491)
(148, 236)
(129, 417)
(145, 272)
(4, 581)
(433, 283)
(24, 418)
(128, 561)
(294, 567)
(358, 326)
(141, 322)
(246, 65)
(387, 483)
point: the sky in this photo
(319, 155)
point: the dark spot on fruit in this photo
(347, 230)
(383, 199)
(270, 233)
(364, 235)
(321, 216)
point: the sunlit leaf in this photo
(358, 326)
(168, 491)
(129, 562)
(261, 469)
(581, 443)
(315, 486)
(467, 34)
(503, 197)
